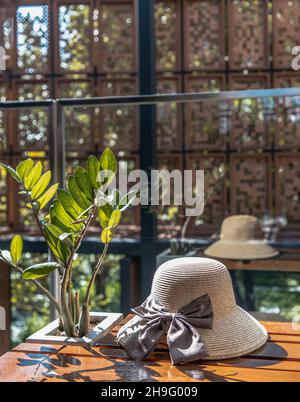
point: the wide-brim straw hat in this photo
(240, 239)
(178, 282)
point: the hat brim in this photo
(232, 250)
(236, 335)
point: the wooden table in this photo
(278, 361)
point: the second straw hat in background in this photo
(241, 239)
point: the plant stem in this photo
(185, 226)
(77, 308)
(38, 220)
(85, 313)
(38, 285)
(67, 279)
(95, 273)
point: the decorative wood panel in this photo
(75, 38)
(3, 120)
(204, 120)
(7, 34)
(250, 184)
(286, 80)
(79, 122)
(288, 187)
(32, 124)
(204, 37)
(216, 207)
(116, 36)
(33, 38)
(170, 217)
(288, 123)
(250, 126)
(90, 50)
(118, 128)
(167, 30)
(248, 35)
(286, 27)
(242, 82)
(287, 113)
(168, 115)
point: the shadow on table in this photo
(269, 355)
(49, 367)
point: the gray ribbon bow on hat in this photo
(184, 341)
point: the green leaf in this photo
(58, 248)
(84, 183)
(39, 188)
(47, 196)
(33, 176)
(64, 217)
(16, 249)
(104, 215)
(5, 256)
(108, 166)
(56, 221)
(85, 212)
(106, 236)
(114, 219)
(67, 201)
(127, 200)
(77, 194)
(93, 168)
(108, 161)
(68, 239)
(40, 270)
(24, 168)
(12, 172)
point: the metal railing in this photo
(57, 115)
(57, 142)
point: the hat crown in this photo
(240, 228)
(178, 282)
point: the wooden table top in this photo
(278, 360)
(286, 261)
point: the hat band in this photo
(184, 341)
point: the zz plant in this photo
(63, 217)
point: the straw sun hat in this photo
(240, 240)
(178, 283)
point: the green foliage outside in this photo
(30, 309)
(274, 292)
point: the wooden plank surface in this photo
(39, 367)
(287, 261)
(273, 265)
(278, 360)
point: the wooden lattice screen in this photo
(73, 48)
